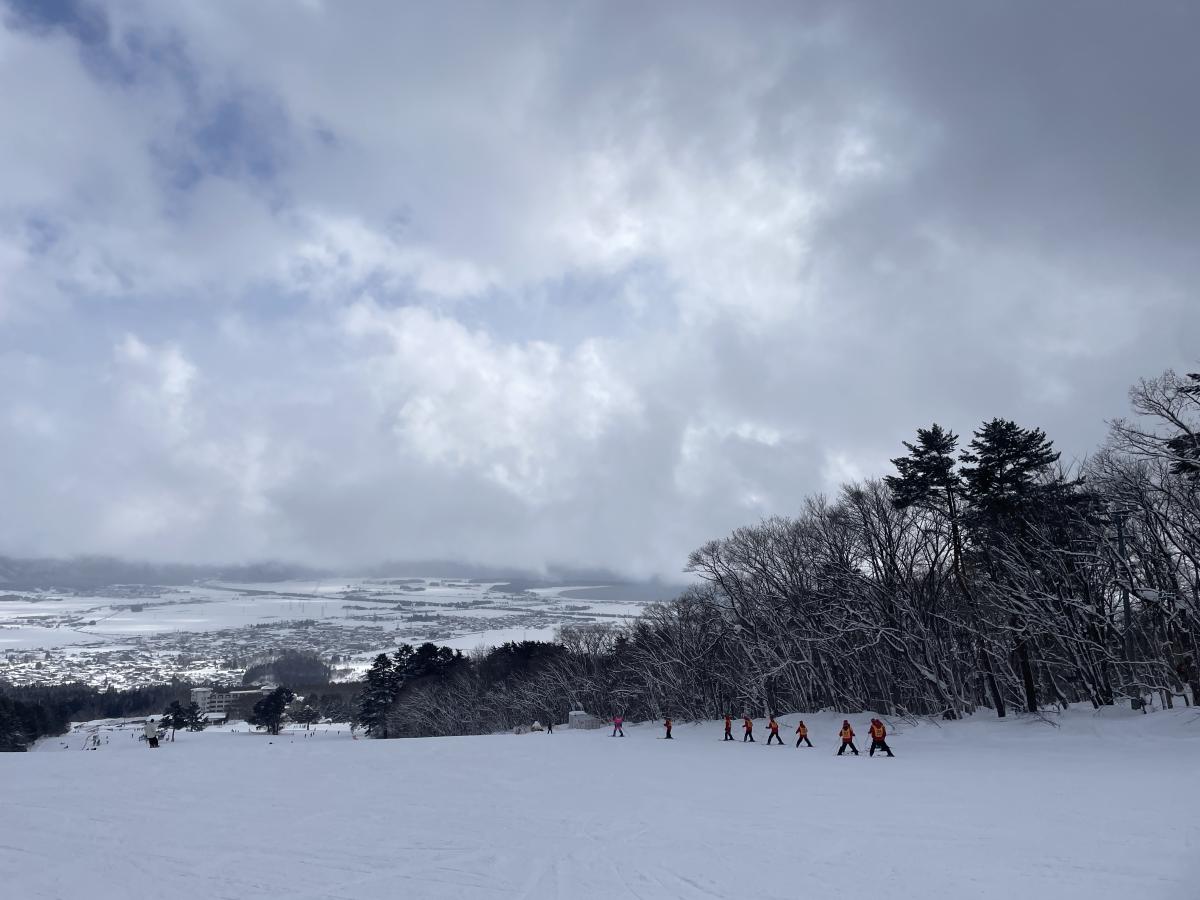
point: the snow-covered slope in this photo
(1106, 806)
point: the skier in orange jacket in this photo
(667, 725)
(774, 735)
(728, 727)
(878, 733)
(847, 736)
(802, 730)
(748, 728)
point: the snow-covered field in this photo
(1105, 806)
(136, 634)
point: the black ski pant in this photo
(803, 737)
(774, 737)
(880, 745)
(845, 744)
(669, 738)
(728, 735)
(748, 737)
(617, 730)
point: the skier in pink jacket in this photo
(617, 720)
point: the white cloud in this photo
(160, 388)
(335, 255)
(513, 412)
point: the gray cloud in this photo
(584, 285)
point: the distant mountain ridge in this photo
(84, 572)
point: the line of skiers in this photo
(877, 730)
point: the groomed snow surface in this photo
(1105, 806)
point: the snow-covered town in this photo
(127, 635)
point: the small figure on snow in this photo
(847, 736)
(549, 724)
(878, 733)
(802, 731)
(150, 729)
(617, 730)
(774, 735)
(748, 728)
(728, 727)
(667, 725)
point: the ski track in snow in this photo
(1107, 806)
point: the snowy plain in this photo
(138, 634)
(1100, 805)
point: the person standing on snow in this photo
(667, 725)
(847, 736)
(617, 729)
(549, 725)
(802, 730)
(151, 731)
(728, 727)
(878, 733)
(774, 735)
(748, 728)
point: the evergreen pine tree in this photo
(271, 710)
(379, 691)
(174, 717)
(193, 718)
(928, 480)
(1009, 483)
(1004, 474)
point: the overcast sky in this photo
(575, 283)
